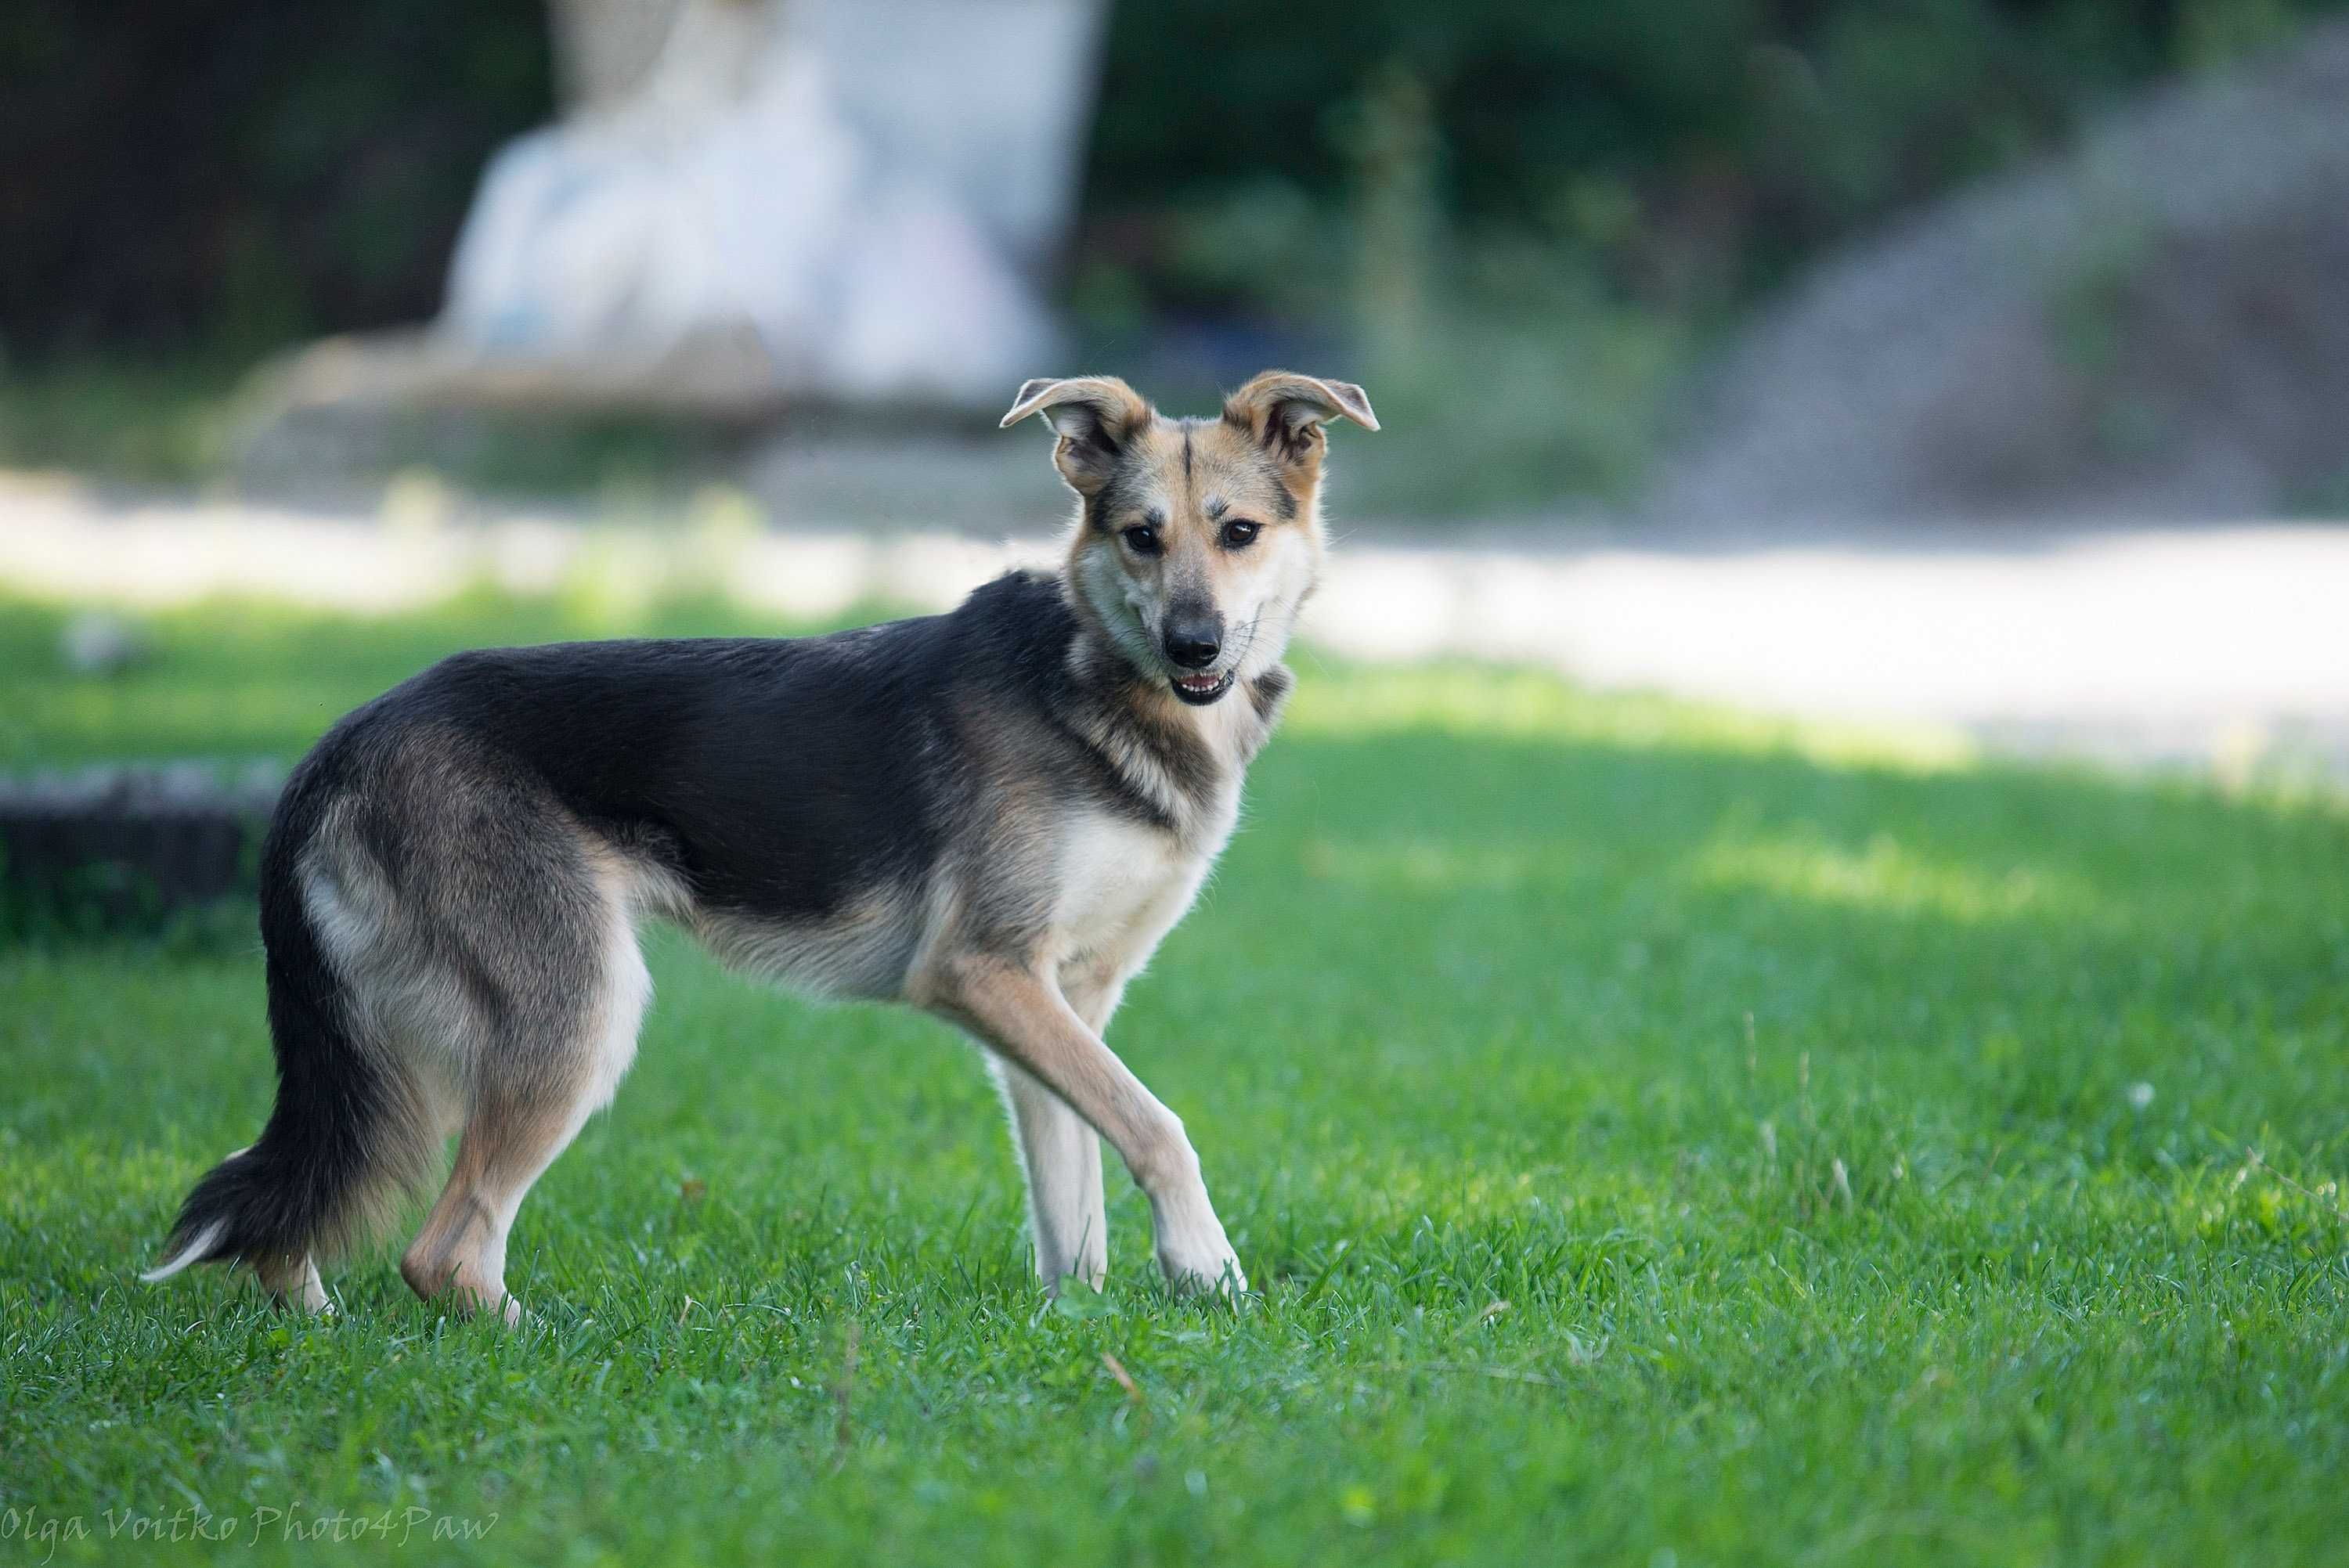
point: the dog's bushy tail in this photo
(346, 1137)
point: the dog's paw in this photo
(1222, 1278)
(1201, 1262)
(505, 1311)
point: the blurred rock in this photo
(100, 643)
(833, 198)
(820, 203)
(2154, 327)
(116, 847)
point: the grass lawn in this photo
(1657, 1138)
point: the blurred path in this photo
(2222, 645)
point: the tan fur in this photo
(1123, 886)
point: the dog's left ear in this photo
(1285, 411)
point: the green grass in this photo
(1657, 1137)
(153, 421)
(182, 420)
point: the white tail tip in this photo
(193, 1252)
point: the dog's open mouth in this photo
(1199, 690)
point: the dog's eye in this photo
(1239, 534)
(1142, 540)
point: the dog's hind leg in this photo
(292, 1278)
(562, 1043)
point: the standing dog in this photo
(994, 815)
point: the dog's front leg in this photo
(1024, 1018)
(1062, 1157)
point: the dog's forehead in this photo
(1203, 467)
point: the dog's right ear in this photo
(1094, 417)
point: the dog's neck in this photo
(1188, 762)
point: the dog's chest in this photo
(1123, 883)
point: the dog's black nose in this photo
(1194, 641)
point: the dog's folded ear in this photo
(1094, 417)
(1285, 411)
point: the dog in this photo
(993, 815)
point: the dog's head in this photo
(1199, 538)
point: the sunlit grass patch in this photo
(1422, 863)
(1471, 699)
(1892, 878)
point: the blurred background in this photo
(1974, 365)
(2076, 255)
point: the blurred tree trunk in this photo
(604, 48)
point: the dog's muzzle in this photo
(1193, 640)
(1201, 689)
